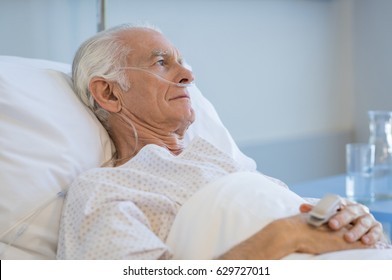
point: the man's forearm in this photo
(272, 242)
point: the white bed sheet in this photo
(234, 208)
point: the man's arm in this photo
(288, 235)
(272, 242)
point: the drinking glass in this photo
(359, 176)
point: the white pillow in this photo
(209, 126)
(47, 138)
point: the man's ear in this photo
(104, 94)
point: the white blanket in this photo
(233, 208)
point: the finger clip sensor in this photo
(324, 210)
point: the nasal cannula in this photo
(159, 77)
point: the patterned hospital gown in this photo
(127, 212)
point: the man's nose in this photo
(186, 76)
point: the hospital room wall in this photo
(372, 61)
(281, 73)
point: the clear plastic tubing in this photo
(183, 85)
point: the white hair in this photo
(102, 55)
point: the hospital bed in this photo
(48, 137)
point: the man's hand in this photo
(364, 226)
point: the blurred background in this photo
(292, 80)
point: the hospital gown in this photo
(126, 212)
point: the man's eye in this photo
(161, 62)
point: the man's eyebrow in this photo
(159, 52)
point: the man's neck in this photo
(130, 139)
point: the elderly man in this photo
(135, 81)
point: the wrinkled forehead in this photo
(146, 44)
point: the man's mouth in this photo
(180, 97)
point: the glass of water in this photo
(359, 176)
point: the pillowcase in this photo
(47, 138)
(209, 126)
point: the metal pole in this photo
(100, 15)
